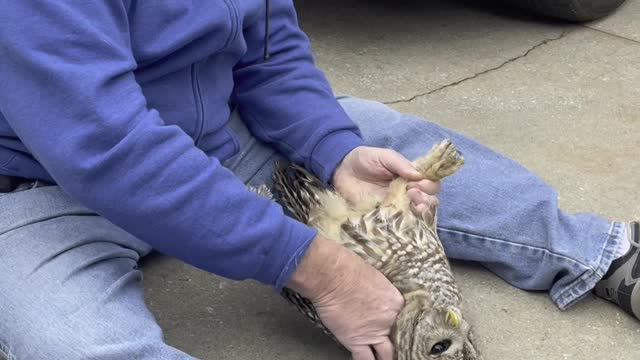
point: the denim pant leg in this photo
(69, 284)
(493, 211)
(496, 212)
(255, 161)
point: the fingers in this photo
(420, 209)
(418, 197)
(384, 350)
(363, 352)
(426, 186)
(399, 165)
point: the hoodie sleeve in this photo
(285, 100)
(68, 91)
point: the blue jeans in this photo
(70, 287)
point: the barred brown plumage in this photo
(403, 245)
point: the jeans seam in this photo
(599, 271)
(43, 219)
(242, 154)
(515, 244)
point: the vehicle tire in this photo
(571, 10)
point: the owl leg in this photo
(443, 160)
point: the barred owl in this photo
(401, 243)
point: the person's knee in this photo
(382, 126)
(367, 112)
(377, 122)
(98, 330)
(67, 293)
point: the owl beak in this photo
(452, 318)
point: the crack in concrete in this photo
(458, 82)
(612, 34)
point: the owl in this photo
(403, 244)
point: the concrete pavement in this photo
(564, 100)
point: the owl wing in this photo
(306, 308)
(296, 189)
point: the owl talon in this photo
(443, 160)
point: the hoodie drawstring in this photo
(266, 29)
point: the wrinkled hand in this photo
(367, 171)
(355, 301)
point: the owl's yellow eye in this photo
(440, 347)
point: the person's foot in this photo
(621, 284)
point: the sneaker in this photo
(621, 284)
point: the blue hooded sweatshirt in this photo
(124, 103)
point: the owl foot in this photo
(443, 160)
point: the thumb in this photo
(399, 165)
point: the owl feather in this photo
(402, 243)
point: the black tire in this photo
(571, 10)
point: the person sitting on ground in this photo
(128, 126)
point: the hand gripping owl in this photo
(401, 243)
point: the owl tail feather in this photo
(296, 189)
